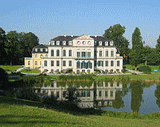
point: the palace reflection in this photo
(96, 94)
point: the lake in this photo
(134, 96)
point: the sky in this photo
(50, 18)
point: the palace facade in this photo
(81, 54)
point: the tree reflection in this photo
(157, 95)
(136, 95)
(118, 102)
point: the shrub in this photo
(145, 69)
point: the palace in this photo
(80, 54)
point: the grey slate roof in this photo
(69, 38)
(38, 47)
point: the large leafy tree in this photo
(2, 50)
(11, 46)
(116, 34)
(29, 40)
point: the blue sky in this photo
(50, 18)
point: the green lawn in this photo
(17, 112)
(128, 66)
(10, 68)
(30, 71)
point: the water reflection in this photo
(134, 96)
(95, 94)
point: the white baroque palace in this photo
(81, 54)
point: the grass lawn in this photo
(10, 68)
(30, 71)
(18, 112)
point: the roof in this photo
(70, 38)
(40, 49)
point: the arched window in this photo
(52, 52)
(83, 64)
(89, 64)
(78, 64)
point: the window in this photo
(83, 64)
(106, 93)
(52, 52)
(78, 64)
(83, 54)
(78, 54)
(36, 49)
(100, 93)
(112, 63)
(89, 54)
(106, 53)
(64, 52)
(100, 43)
(100, 63)
(106, 63)
(64, 63)
(57, 52)
(78, 72)
(89, 64)
(112, 53)
(57, 63)
(35, 62)
(64, 42)
(57, 42)
(106, 43)
(45, 63)
(28, 62)
(41, 56)
(70, 63)
(70, 52)
(52, 63)
(36, 56)
(118, 63)
(41, 50)
(100, 53)
(111, 93)
(70, 42)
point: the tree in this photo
(135, 57)
(146, 54)
(136, 39)
(11, 45)
(3, 79)
(29, 40)
(136, 53)
(116, 34)
(157, 95)
(136, 95)
(2, 50)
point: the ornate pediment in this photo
(84, 37)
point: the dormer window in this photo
(41, 50)
(95, 43)
(70, 42)
(100, 43)
(58, 42)
(36, 50)
(106, 43)
(111, 43)
(64, 42)
(46, 50)
(52, 43)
